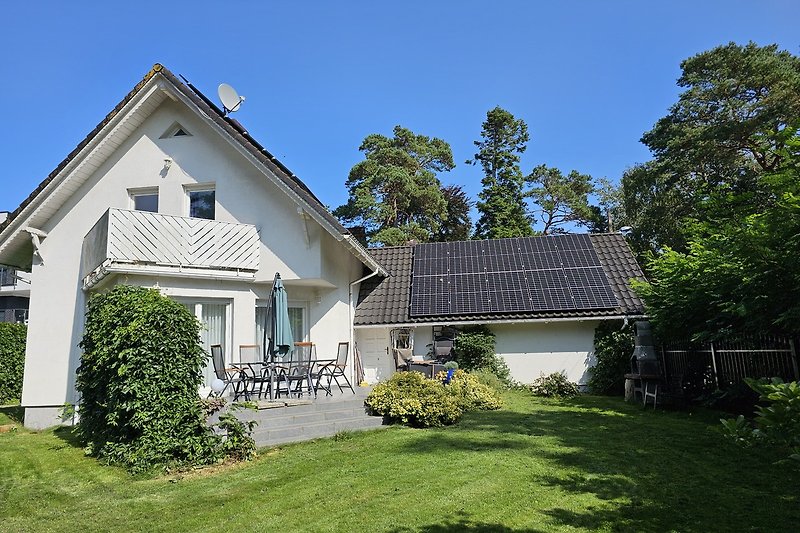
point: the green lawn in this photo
(589, 464)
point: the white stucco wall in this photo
(315, 268)
(530, 349)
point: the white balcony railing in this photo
(138, 241)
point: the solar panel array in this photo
(528, 274)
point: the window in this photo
(297, 321)
(201, 203)
(145, 200)
(175, 130)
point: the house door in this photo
(214, 318)
(373, 344)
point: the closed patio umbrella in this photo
(278, 330)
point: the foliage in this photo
(554, 385)
(456, 225)
(471, 393)
(613, 347)
(451, 365)
(730, 126)
(394, 192)
(609, 214)
(490, 379)
(779, 419)
(502, 200)
(238, 443)
(560, 199)
(412, 399)
(138, 378)
(740, 431)
(12, 360)
(474, 349)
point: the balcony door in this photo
(214, 316)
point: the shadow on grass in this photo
(69, 435)
(464, 524)
(654, 471)
(15, 413)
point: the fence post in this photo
(794, 359)
(714, 364)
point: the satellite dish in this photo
(229, 97)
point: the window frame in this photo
(198, 187)
(144, 191)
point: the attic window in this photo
(176, 130)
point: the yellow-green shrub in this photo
(471, 393)
(411, 398)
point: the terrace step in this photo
(325, 416)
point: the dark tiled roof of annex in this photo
(386, 300)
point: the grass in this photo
(588, 464)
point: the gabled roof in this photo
(190, 95)
(386, 300)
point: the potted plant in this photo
(451, 367)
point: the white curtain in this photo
(213, 316)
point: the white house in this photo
(168, 192)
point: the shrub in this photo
(613, 347)
(474, 350)
(556, 384)
(471, 393)
(411, 398)
(779, 419)
(12, 360)
(490, 379)
(139, 378)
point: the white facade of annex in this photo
(528, 348)
(317, 270)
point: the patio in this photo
(298, 419)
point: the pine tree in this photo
(502, 201)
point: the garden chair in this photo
(295, 377)
(229, 376)
(402, 356)
(336, 370)
(256, 372)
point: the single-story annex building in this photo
(169, 192)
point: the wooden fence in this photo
(721, 364)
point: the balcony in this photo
(138, 242)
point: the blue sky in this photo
(588, 77)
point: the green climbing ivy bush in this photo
(139, 378)
(12, 360)
(613, 347)
(475, 350)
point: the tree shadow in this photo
(68, 435)
(463, 523)
(650, 471)
(15, 413)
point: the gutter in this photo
(489, 321)
(351, 307)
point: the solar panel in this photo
(530, 274)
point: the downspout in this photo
(350, 307)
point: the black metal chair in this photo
(295, 377)
(229, 376)
(255, 371)
(336, 370)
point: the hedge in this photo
(12, 360)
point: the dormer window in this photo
(176, 130)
